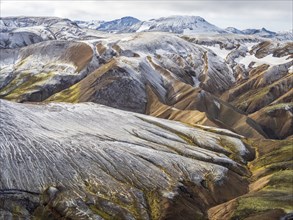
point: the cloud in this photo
(275, 15)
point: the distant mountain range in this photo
(187, 25)
(260, 32)
(116, 25)
(176, 24)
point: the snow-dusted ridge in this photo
(53, 149)
(177, 24)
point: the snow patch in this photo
(217, 104)
(221, 52)
(290, 69)
(269, 59)
(145, 26)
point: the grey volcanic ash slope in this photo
(87, 161)
(96, 161)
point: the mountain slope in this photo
(177, 24)
(36, 75)
(233, 30)
(113, 26)
(94, 24)
(8, 23)
(260, 32)
(89, 161)
(118, 25)
(113, 164)
(270, 191)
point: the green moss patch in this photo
(282, 180)
(274, 161)
(280, 155)
(279, 106)
(154, 203)
(276, 195)
(71, 94)
(250, 206)
(24, 83)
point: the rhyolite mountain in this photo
(143, 125)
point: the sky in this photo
(275, 15)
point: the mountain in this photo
(233, 30)
(177, 24)
(99, 77)
(83, 152)
(90, 161)
(8, 23)
(94, 24)
(188, 25)
(260, 32)
(16, 32)
(265, 93)
(283, 36)
(118, 25)
(143, 125)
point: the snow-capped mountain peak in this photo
(7, 23)
(93, 24)
(233, 30)
(260, 32)
(263, 32)
(177, 24)
(118, 25)
(180, 19)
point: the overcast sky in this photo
(272, 14)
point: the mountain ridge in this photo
(186, 24)
(180, 24)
